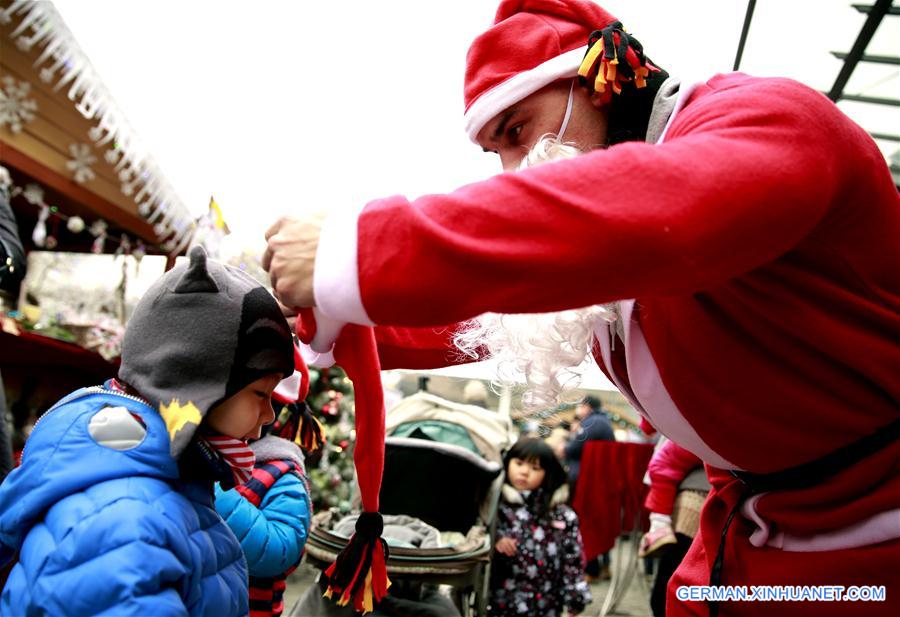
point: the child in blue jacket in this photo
(111, 511)
(270, 513)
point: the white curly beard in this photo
(544, 348)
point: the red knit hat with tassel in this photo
(358, 576)
(536, 42)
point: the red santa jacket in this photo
(759, 239)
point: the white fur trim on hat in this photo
(517, 87)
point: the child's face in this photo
(525, 475)
(243, 415)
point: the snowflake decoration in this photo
(81, 161)
(16, 108)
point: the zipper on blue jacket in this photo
(78, 394)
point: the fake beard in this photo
(546, 349)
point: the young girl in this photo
(538, 563)
(112, 510)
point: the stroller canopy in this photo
(474, 428)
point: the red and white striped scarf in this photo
(236, 453)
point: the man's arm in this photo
(420, 348)
(747, 171)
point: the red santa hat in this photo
(536, 42)
(358, 576)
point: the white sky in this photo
(286, 106)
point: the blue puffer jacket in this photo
(113, 531)
(273, 535)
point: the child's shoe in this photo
(655, 539)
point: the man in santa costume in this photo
(746, 231)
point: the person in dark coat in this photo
(593, 424)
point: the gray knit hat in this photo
(200, 334)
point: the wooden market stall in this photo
(81, 187)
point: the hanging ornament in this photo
(124, 246)
(33, 194)
(75, 224)
(80, 163)
(16, 109)
(98, 230)
(39, 235)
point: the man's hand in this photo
(506, 546)
(289, 314)
(290, 258)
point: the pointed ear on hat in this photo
(196, 279)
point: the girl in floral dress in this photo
(538, 562)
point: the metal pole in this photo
(748, 17)
(878, 11)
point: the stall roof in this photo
(61, 126)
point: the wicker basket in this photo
(686, 512)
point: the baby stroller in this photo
(443, 464)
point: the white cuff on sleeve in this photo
(314, 358)
(336, 277)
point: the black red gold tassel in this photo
(613, 59)
(359, 574)
(310, 434)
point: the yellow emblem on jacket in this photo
(177, 415)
